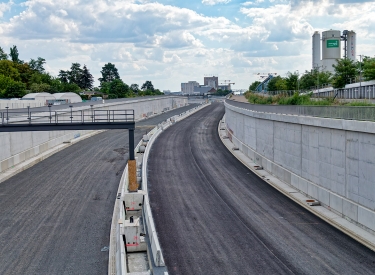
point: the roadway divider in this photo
(117, 255)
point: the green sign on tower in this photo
(332, 43)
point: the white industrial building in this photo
(188, 88)
(39, 96)
(326, 49)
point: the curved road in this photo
(214, 216)
(55, 217)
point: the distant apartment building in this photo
(188, 88)
(211, 81)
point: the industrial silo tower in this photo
(351, 45)
(316, 50)
(331, 46)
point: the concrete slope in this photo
(55, 217)
(213, 216)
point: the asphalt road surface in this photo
(55, 217)
(214, 216)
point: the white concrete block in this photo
(366, 217)
(350, 209)
(323, 196)
(335, 202)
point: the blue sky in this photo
(170, 41)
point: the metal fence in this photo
(340, 112)
(71, 116)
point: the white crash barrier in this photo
(117, 255)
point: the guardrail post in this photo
(71, 114)
(7, 114)
(50, 115)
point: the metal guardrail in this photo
(363, 113)
(59, 117)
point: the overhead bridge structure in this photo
(73, 120)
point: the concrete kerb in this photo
(117, 259)
(350, 229)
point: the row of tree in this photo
(346, 71)
(18, 78)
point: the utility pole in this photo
(360, 75)
(298, 80)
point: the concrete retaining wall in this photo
(18, 147)
(18, 104)
(330, 160)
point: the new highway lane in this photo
(55, 217)
(214, 216)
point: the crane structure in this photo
(227, 84)
(264, 75)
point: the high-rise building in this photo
(188, 88)
(212, 81)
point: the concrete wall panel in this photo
(328, 159)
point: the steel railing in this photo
(72, 116)
(366, 113)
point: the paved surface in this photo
(214, 216)
(55, 217)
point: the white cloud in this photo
(215, 2)
(169, 45)
(5, 7)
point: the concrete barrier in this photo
(329, 160)
(117, 259)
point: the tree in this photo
(14, 55)
(15, 89)
(369, 68)
(119, 88)
(147, 86)
(25, 72)
(37, 65)
(345, 69)
(75, 74)
(109, 73)
(254, 85)
(87, 79)
(277, 84)
(3, 55)
(7, 68)
(40, 88)
(308, 80)
(134, 88)
(291, 81)
(63, 76)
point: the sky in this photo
(174, 41)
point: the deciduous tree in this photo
(345, 69)
(109, 73)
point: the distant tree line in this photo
(346, 71)
(17, 78)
